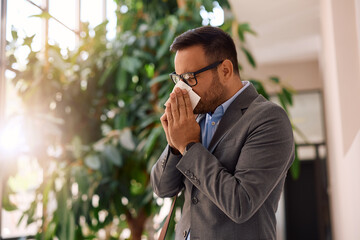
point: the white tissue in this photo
(194, 98)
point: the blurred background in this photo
(82, 87)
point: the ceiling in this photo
(287, 30)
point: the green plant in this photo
(101, 106)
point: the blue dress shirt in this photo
(209, 126)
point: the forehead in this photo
(189, 59)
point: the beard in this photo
(212, 98)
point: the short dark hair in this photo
(217, 44)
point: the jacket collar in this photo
(232, 114)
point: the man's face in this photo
(209, 87)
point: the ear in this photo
(226, 70)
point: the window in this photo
(19, 17)
(307, 114)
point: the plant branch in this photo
(57, 20)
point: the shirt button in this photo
(194, 200)
(213, 123)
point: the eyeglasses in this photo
(190, 77)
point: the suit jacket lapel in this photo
(232, 114)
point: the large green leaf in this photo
(131, 64)
(244, 28)
(150, 70)
(82, 178)
(260, 88)
(249, 57)
(111, 153)
(122, 79)
(6, 203)
(126, 139)
(152, 139)
(93, 162)
(288, 96)
(283, 101)
(29, 40)
(274, 79)
(169, 37)
(50, 231)
(48, 188)
(44, 15)
(295, 167)
(14, 34)
(71, 227)
(108, 71)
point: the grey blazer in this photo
(232, 188)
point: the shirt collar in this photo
(220, 110)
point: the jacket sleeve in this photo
(265, 157)
(166, 179)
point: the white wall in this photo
(340, 65)
(299, 75)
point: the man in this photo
(230, 161)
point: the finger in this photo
(163, 120)
(164, 123)
(189, 110)
(163, 117)
(168, 114)
(173, 107)
(181, 103)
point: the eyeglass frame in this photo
(176, 78)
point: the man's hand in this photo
(179, 121)
(165, 124)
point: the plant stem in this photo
(136, 224)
